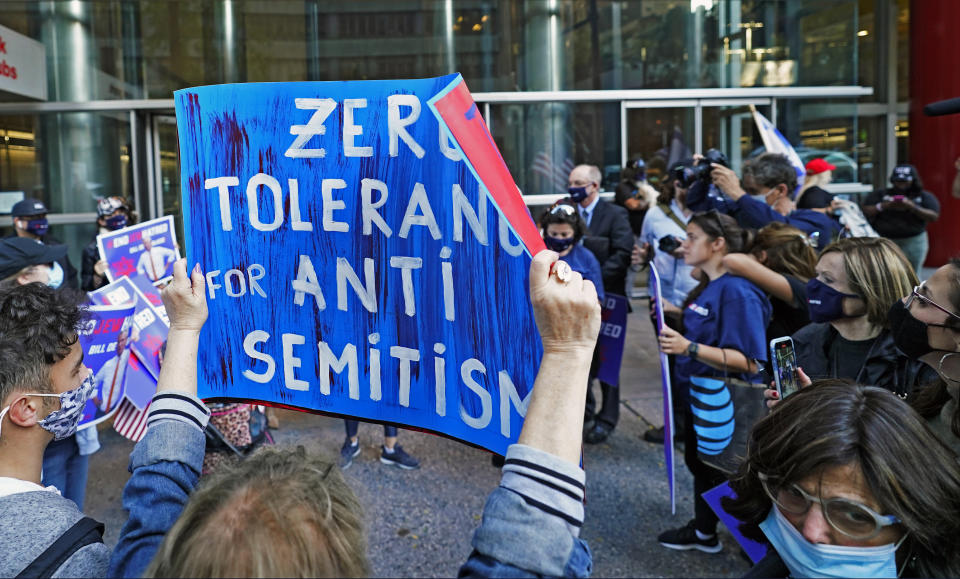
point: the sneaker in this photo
(398, 457)
(654, 435)
(348, 452)
(685, 538)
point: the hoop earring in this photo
(940, 367)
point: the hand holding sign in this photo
(567, 312)
(568, 318)
(185, 298)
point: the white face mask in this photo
(56, 276)
(805, 559)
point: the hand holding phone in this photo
(784, 366)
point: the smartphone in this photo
(899, 198)
(784, 366)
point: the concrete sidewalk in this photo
(420, 522)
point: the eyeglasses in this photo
(563, 208)
(915, 294)
(851, 518)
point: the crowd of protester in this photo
(856, 474)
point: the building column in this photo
(935, 141)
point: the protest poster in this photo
(148, 249)
(152, 293)
(148, 331)
(753, 549)
(613, 337)
(353, 263)
(99, 338)
(669, 453)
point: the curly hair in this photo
(280, 513)
(835, 423)
(772, 169)
(38, 326)
(557, 216)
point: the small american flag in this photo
(554, 174)
(130, 421)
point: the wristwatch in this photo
(692, 350)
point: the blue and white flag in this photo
(775, 142)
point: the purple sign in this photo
(104, 350)
(753, 549)
(668, 450)
(613, 335)
(148, 249)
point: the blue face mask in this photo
(63, 423)
(577, 194)
(558, 244)
(38, 227)
(824, 302)
(805, 559)
(116, 222)
(56, 276)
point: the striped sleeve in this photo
(180, 407)
(547, 483)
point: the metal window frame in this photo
(143, 115)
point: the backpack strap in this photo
(84, 532)
(669, 213)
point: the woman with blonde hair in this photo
(856, 281)
(781, 262)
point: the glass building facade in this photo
(560, 82)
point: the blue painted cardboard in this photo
(306, 288)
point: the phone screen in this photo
(785, 367)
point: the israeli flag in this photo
(775, 142)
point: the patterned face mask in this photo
(63, 423)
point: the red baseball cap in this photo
(815, 166)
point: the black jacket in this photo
(91, 255)
(611, 241)
(885, 366)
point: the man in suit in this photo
(611, 241)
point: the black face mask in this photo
(909, 333)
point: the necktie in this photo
(586, 216)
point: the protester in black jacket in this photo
(113, 213)
(611, 240)
(857, 281)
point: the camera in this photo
(687, 176)
(668, 244)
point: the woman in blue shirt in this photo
(725, 322)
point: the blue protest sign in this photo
(666, 389)
(354, 264)
(101, 348)
(753, 549)
(613, 337)
(148, 249)
(148, 331)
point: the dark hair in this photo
(930, 399)
(279, 513)
(833, 423)
(772, 169)
(38, 326)
(715, 224)
(555, 216)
